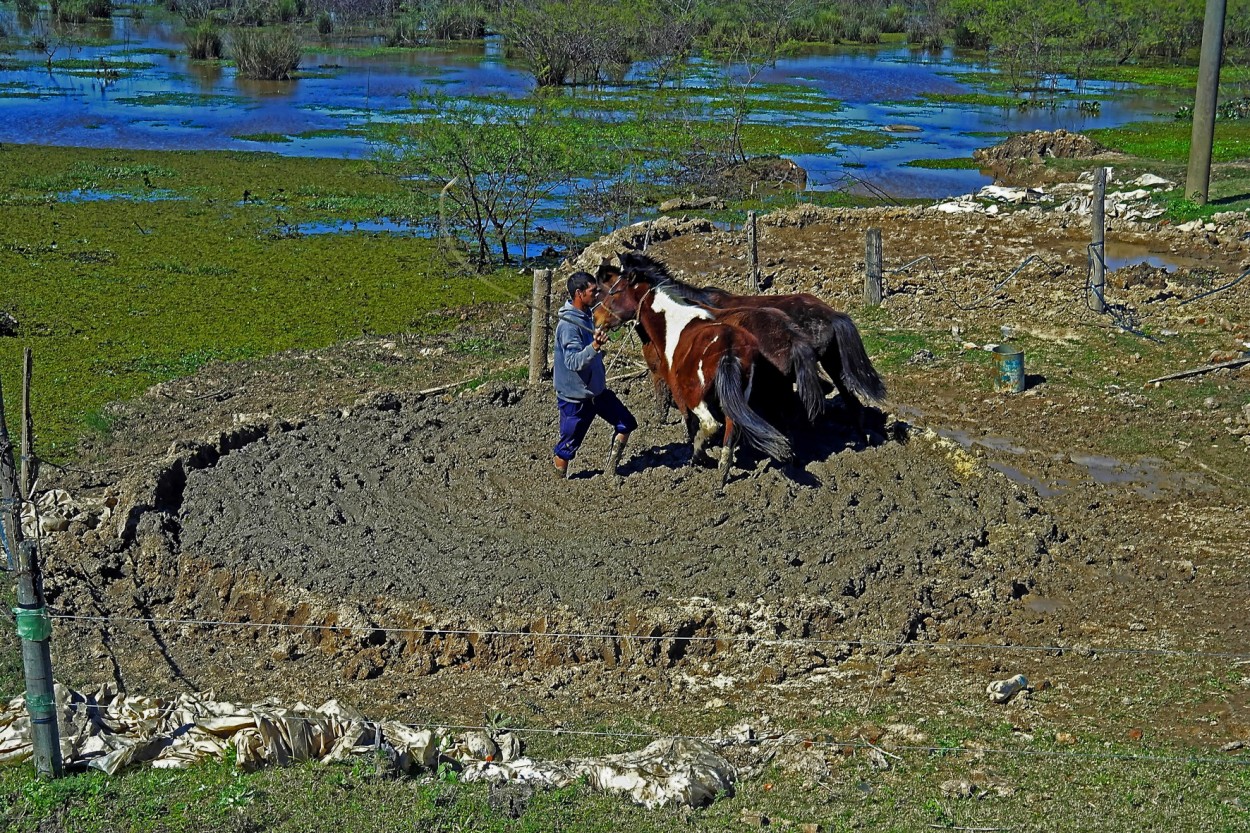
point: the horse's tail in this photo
(803, 364)
(732, 394)
(858, 374)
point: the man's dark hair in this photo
(579, 281)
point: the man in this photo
(581, 381)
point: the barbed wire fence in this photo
(1120, 317)
(807, 738)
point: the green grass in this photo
(1075, 789)
(116, 296)
(976, 99)
(958, 163)
(1168, 141)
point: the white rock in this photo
(1000, 691)
(1151, 180)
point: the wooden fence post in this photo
(540, 324)
(34, 625)
(1098, 242)
(872, 268)
(753, 254)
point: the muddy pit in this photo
(423, 560)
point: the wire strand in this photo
(766, 641)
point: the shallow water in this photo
(175, 103)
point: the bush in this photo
(869, 34)
(249, 13)
(285, 11)
(965, 38)
(80, 11)
(325, 23)
(407, 30)
(265, 54)
(458, 21)
(204, 41)
(894, 18)
(27, 8)
(919, 35)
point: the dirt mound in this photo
(1039, 145)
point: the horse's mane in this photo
(657, 274)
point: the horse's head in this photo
(618, 292)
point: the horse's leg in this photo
(707, 428)
(727, 452)
(831, 361)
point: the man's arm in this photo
(575, 356)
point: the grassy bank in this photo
(1070, 790)
(165, 261)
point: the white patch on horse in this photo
(706, 347)
(677, 315)
(707, 423)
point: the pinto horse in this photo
(782, 344)
(831, 333)
(708, 365)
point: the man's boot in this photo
(561, 468)
(614, 455)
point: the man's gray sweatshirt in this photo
(579, 372)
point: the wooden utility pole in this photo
(34, 625)
(1198, 179)
(28, 431)
(540, 325)
(872, 268)
(1098, 241)
(753, 253)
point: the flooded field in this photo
(129, 84)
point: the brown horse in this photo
(831, 333)
(707, 364)
(782, 344)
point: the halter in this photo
(612, 290)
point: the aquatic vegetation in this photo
(204, 41)
(960, 163)
(266, 54)
(170, 99)
(263, 137)
(101, 63)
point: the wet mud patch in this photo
(437, 503)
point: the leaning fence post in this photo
(34, 625)
(1097, 246)
(753, 253)
(28, 431)
(872, 268)
(540, 324)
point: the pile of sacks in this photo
(110, 731)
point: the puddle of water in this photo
(966, 439)
(1042, 604)
(1119, 255)
(87, 195)
(1020, 477)
(381, 225)
(1148, 476)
